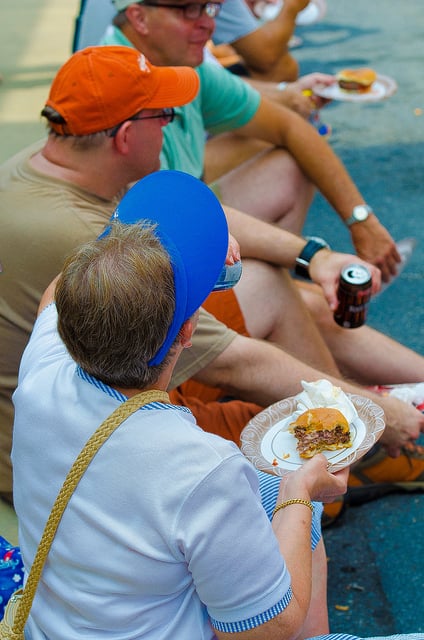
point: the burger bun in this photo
(356, 80)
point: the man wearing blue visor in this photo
(145, 547)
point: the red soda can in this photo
(354, 294)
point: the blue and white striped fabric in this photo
(346, 636)
(256, 621)
(269, 486)
(114, 393)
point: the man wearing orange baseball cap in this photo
(105, 113)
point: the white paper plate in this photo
(314, 12)
(382, 88)
(268, 444)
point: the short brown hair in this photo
(115, 300)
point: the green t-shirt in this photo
(224, 102)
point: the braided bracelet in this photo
(307, 503)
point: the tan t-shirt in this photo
(42, 219)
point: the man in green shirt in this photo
(276, 184)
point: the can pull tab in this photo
(354, 273)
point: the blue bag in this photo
(11, 572)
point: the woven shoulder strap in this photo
(76, 472)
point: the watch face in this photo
(360, 213)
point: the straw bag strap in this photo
(75, 474)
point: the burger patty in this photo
(312, 439)
(354, 86)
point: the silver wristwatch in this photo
(359, 214)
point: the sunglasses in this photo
(191, 10)
(166, 115)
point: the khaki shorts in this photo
(214, 186)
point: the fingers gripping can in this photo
(354, 294)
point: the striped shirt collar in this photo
(120, 396)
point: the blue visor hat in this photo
(192, 227)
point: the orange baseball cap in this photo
(99, 87)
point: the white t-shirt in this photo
(166, 528)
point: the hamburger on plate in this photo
(320, 429)
(356, 80)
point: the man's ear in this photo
(136, 16)
(186, 333)
(121, 139)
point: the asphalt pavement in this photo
(381, 143)
(376, 551)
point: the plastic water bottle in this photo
(405, 249)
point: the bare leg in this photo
(227, 151)
(316, 622)
(363, 354)
(269, 185)
(274, 310)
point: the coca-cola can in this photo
(354, 294)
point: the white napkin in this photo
(324, 394)
(413, 393)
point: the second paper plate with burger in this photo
(268, 443)
(383, 87)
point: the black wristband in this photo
(309, 250)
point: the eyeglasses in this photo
(166, 115)
(191, 10)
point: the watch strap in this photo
(306, 255)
